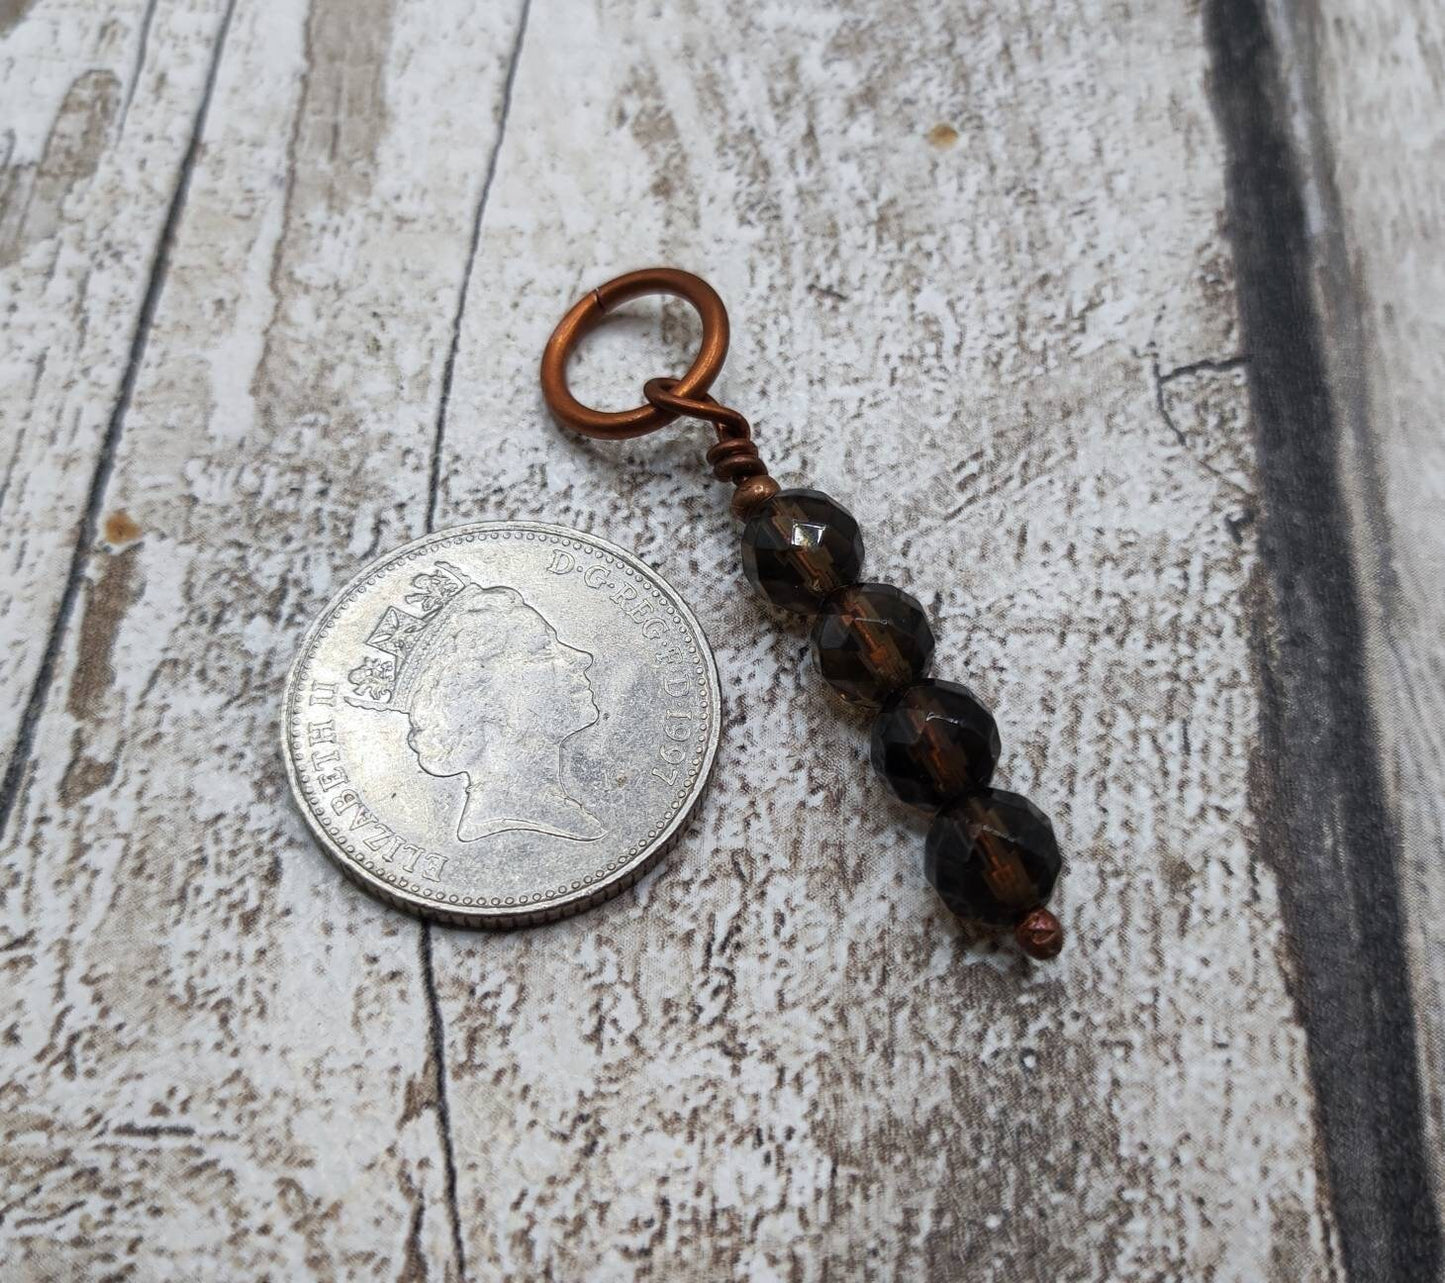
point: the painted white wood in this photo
(969, 250)
(781, 1059)
(218, 1058)
(1380, 146)
(97, 106)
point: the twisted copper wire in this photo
(735, 456)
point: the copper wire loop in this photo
(735, 457)
(617, 425)
(730, 423)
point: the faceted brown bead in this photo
(798, 547)
(992, 856)
(871, 639)
(933, 741)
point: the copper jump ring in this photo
(616, 425)
(735, 456)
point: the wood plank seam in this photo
(449, 370)
(1380, 290)
(142, 45)
(1325, 826)
(444, 1117)
(435, 1019)
(12, 784)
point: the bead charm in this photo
(990, 854)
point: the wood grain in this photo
(98, 108)
(1384, 276)
(277, 277)
(781, 1059)
(219, 1058)
(1326, 809)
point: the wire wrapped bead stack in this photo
(991, 855)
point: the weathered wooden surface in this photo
(276, 280)
(100, 108)
(1384, 272)
(207, 1034)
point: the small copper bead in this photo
(752, 494)
(1040, 934)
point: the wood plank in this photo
(975, 257)
(977, 262)
(1375, 141)
(1324, 822)
(98, 104)
(219, 1057)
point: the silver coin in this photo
(502, 723)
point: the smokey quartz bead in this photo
(871, 639)
(800, 546)
(992, 856)
(933, 741)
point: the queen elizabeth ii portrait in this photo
(491, 694)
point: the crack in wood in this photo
(449, 370)
(11, 785)
(138, 65)
(1208, 364)
(434, 1012)
(444, 1117)
(1161, 381)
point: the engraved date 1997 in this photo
(678, 723)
